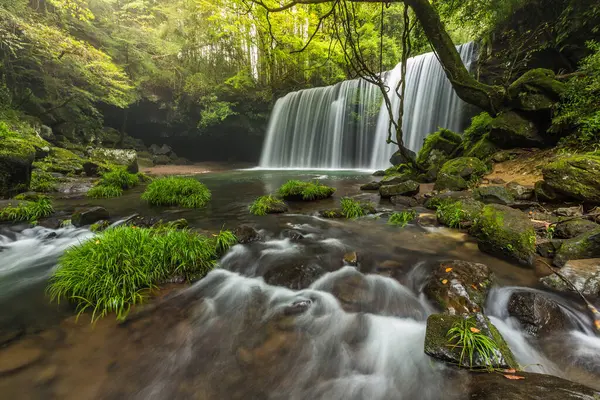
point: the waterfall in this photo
(346, 125)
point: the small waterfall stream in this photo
(346, 125)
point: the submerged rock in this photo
(246, 234)
(379, 172)
(576, 177)
(405, 201)
(493, 195)
(89, 215)
(371, 186)
(459, 287)
(408, 188)
(537, 313)
(583, 274)
(586, 245)
(294, 276)
(439, 346)
(459, 173)
(19, 355)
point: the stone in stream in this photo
(246, 234)
(439, 346)
(537, 313)
(586, 245)
(295, 275)
(88, 216)
(407, 188)
(583, 274)
(371, 186)
(459, 287)
(405, 201)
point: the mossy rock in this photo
(493, 195)
(434, 202)
(371, 186)
(510, 129)
(506, 233)
(543, 192)
(576, 177)
(408, 188)
(438, 148)
(540, 81)
(89, 216)
(460, 213)
(437, 343)
(583, 274)
(16, 158)
(62, 161)
(459, 173)
(399, 158)
(483, 149)
(574, 228)
(586, 245)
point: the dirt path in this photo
(525, 168)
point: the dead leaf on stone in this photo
(509, 371)
(444, 281)
(514, 377)
(448, 269)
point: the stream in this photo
(281, 318)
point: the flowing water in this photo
(346, 125)
(282, 318)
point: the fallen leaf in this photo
(474, 330)
(510, 371)
(448, 269)
(597, 324)
(514, 377)
(473, 286)
(444, 281)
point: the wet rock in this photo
(292, 234)
(575, 177)
(459, 173)
(460, 214)
(408, 188)
(484, 386)
(459, 287)
(46, 375)
(19, 355)
(493, 195)
(574, 228)
(16, 158)
(246, 234)
(379, 173)
(351, 258)
(583, 274)
(428, 220)
(433, 202)
(404, 201)
(569, 211)
(586, 245)
(537, 313)
(509, 130)
(406, 157)
(520, 192)
(89, 216)
(547, 247)
(506, 233)
(371, 186)
(544, 192)
(438, 346)
(297, 307)
(294, 276)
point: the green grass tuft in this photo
(104, 192)
(352, 209)
(224, 240)
(42, 181)
(265, 204)
(401, 219)
(295, 189)
(465, 335)
(177, 191)
(27, 211)
(114, 270)
(451, 213)
(112, 184)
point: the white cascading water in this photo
(346, 125)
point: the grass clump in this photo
(402, 218)
(27, 211)
(266, 205)
(113, 183)
(299, 190)
(104, 192)
(451, 214)
(465, 335)
(224, 240)
(353, 209)
(42, 181)
(119, 267)
(177, 191)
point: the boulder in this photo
(459, 287)
(439, 346)
(433, 202)
(583, 274)
(294, 276)
(569, 211)
(509, 129)
(459, 173)
(483, 149)
(459, 214)
(543, 192)
(506, 233)
(493, 195)
(379, 172)
(538, 80)
(520, 192)
(124, 157)
(395, 179)
(548, 247)
(537, 313)
(437, 149)
(574, 228)
(407, 158)
(371, 186)
(89, 215)
(408, 188)
(16, 158)
(405, 201)
(575, 177)
(586, 245)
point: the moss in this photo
(510, 130)
(459, 213)
(42, 181)
(459, 173)
(437, 148)
(62, 161)
(483, 149)
(575, 177)
(538, 80)
(267, 205)
(14, 147)
(586, 245)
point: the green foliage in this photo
(480, 125)
(402, 218)
(27, 211)
(42, 181)
(119, 178)
(264, 204)
(104, 192)
(177, 191)
(295, 189)
(114, 270)
(224, 240)
(451, 212)
(352, 209)
(465, 335)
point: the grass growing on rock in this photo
(177, 191)
(465, 335)
(353, 209)
(104, 192)
(27, 211)
(265, 205)
(118, 268)
(113, 183)
(402, 218)
(42, 181)
(307, 191)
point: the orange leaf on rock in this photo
(474, 330)
(444, 281)
(514, 377)
(448, 269)
(510, 371)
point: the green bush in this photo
(177, 191)
(114, 270)
(104, 192)
(265, 205)
(353, 209)
(402, 218)
(28, 211)
(295, 189)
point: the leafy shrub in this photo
(265, 205)
(295, 189)
(401, 219)
(177, 191)
(352, 209)
(28, 211)
(42, 181)
(465, 335)
(114, 270)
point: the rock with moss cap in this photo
(586, 245)
(543, 192)
(438, 148)
(509, 129)
(483, 149)
(408, 188)
(573, 228)
(538, 80)
(437, 344)
(458, 214)
(459, 173)
(576, 177)
(16, 158)
(493, 195)
(506, 233)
